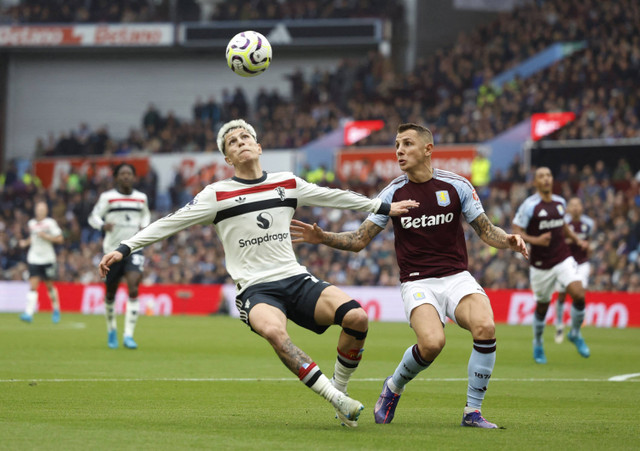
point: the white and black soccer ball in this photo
(248, 54)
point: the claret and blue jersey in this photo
(429, 239)
(537, 217)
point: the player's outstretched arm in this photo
(355, 241)
(496, 237)
(108, 260)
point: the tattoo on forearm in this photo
(292, 356)
(489, 233)
(353, 241)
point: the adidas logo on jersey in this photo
(543, 213)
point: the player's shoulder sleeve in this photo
(145, 219)
(590, 223)
(96, 218)
(469, 201)
(559, 199)
(386, 196)
(525, 211)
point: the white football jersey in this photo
(252, 219)
(41, 251)
(127, 212)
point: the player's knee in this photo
(133, 293)
(484, 330)
(431, 347)
(273, 333)
(346, 309)
(356, 319)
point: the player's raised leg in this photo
(427, 326)
(270, 322)
(576, 291)
(474, 314)
(335, 307)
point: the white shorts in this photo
(584, 270)
(444, 293)
(545, 281)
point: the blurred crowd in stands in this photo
(450, 91)
(611, 197)
(129, 11)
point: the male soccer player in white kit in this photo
(44, 232)
(432, 256)
(120, 213)
(540, 221)
(584, 227)
(251, 213)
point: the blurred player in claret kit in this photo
(584, 227)
(44, 232)
(120, 213)
(432, 256)
(540, 221)
(252, 213)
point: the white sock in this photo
(313, 378)
(110, 313)
(131, 317)
(32, 302)
(345, 366)
(55, 300)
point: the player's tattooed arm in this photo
(496, 237)
(347, 241)
(292, 356)
(352, 241)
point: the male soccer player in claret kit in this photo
(540, 221)
(44, 232)
(432, 256)
(584, 228)
(120, 213)
(252, 213)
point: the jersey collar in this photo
(252, 181)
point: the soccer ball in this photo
(248, 54)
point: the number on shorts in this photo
(137, 260)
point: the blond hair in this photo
(232, 125)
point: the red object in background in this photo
(154, 299)
(54, 171)
(543, 124)
(354, 131)
(604, 309)
(359, 163)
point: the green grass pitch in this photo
(210, 383)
